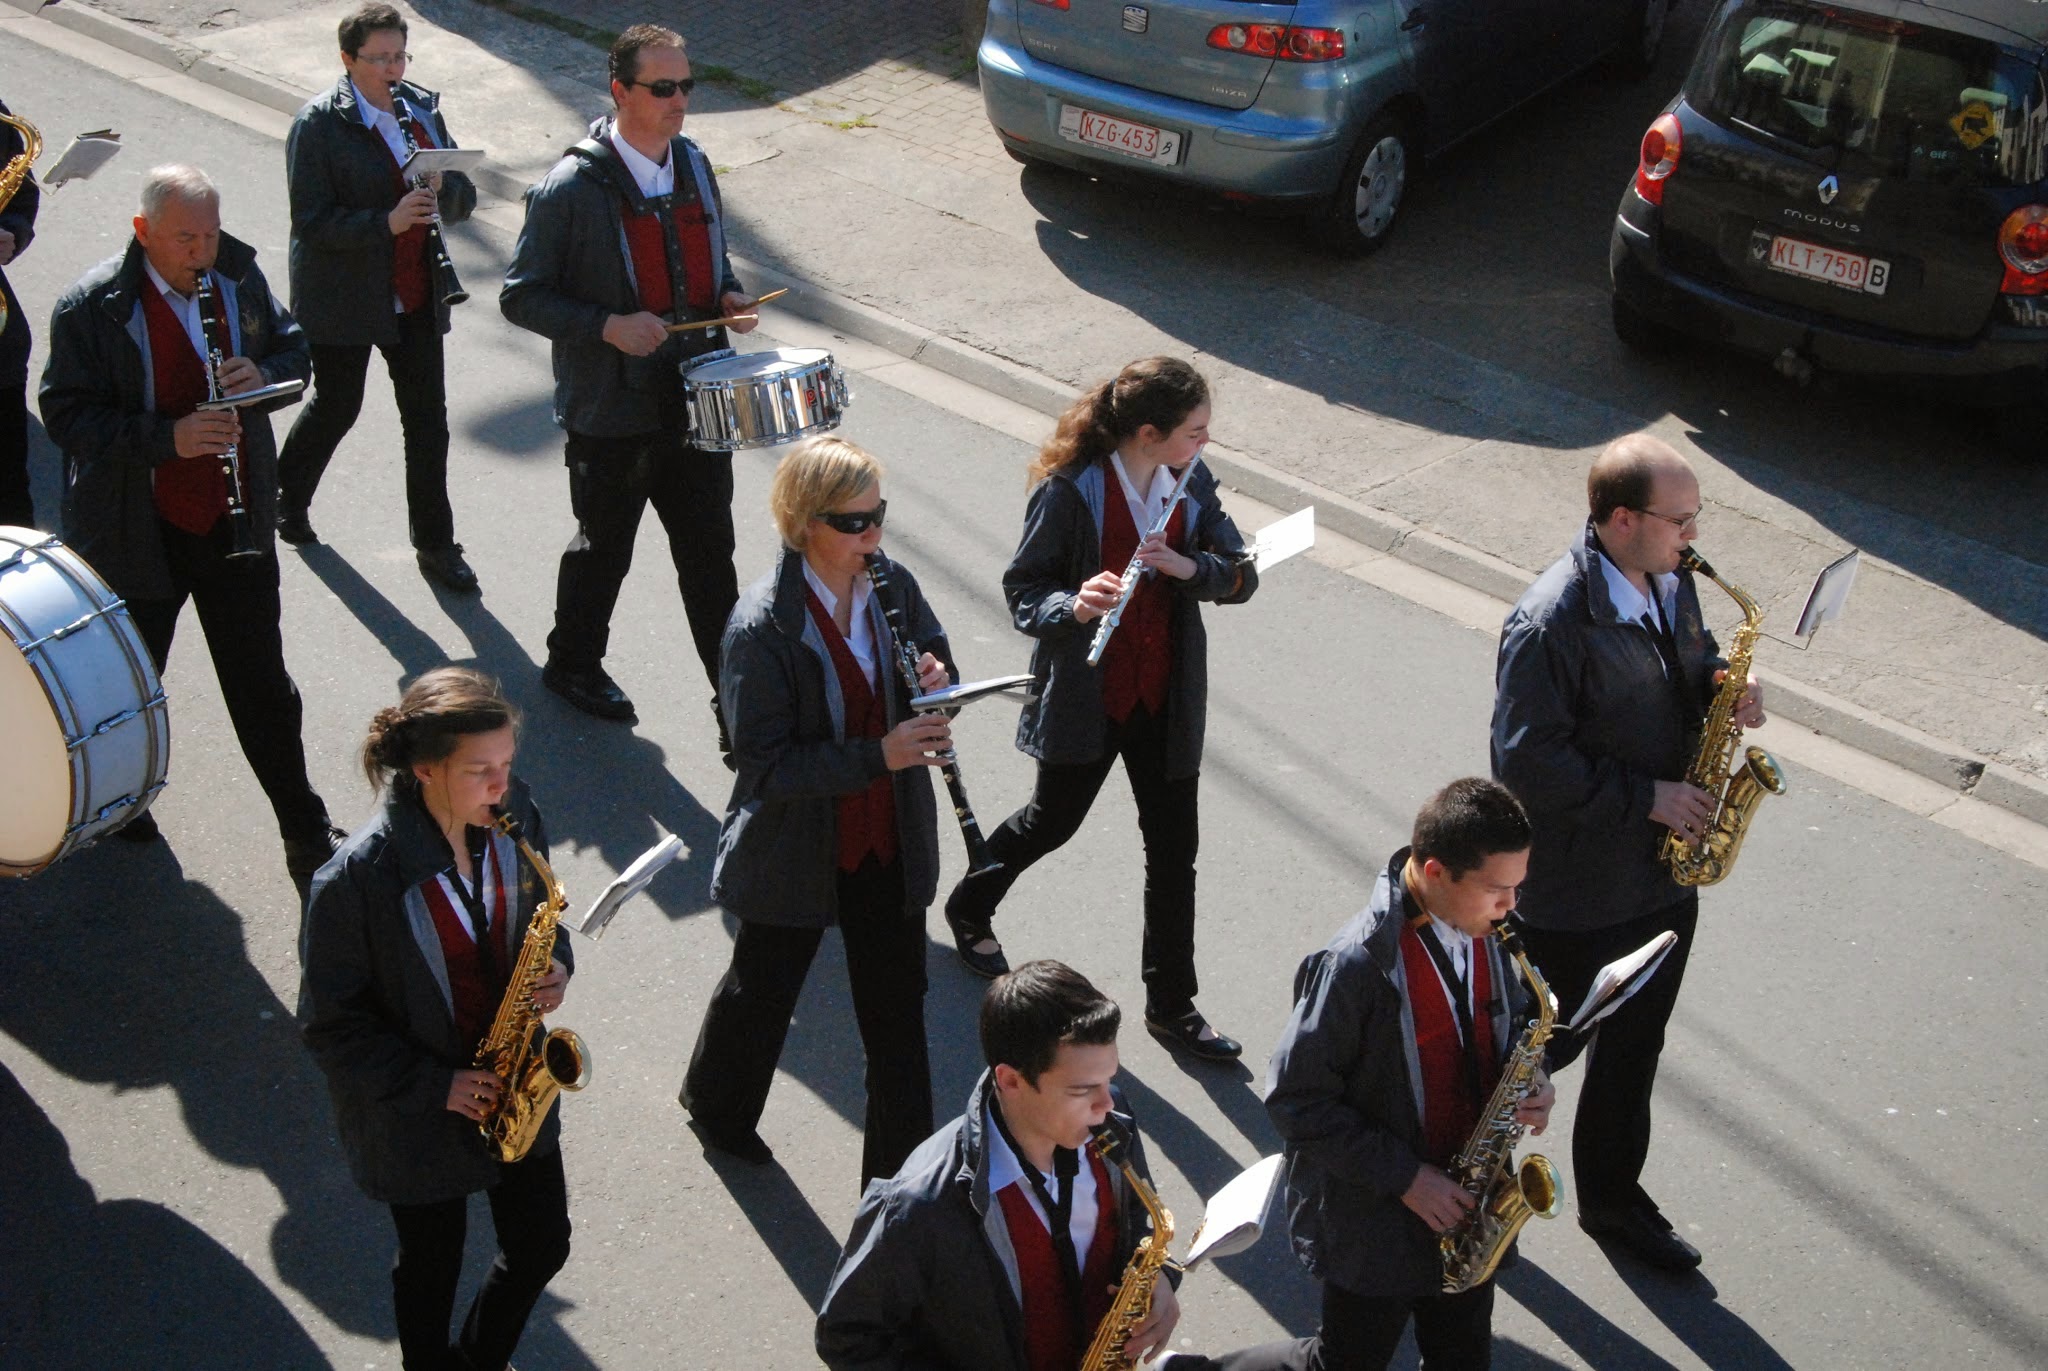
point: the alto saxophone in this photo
(533, 1063)
(1737, 791)
(1506, 1196)
(1134, 1294)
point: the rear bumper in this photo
(2003, 364)
(1249, 152)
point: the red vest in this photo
(1449, 1113)
(650, 253)
(411, 278)
(1138, 663)
(1051, 1342)
(476, 993)
(191, 492)
(867, 818)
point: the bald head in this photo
(1625, 474)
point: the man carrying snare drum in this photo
(623, 237)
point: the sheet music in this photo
(1620, 979)
(629, 883)
(1283, 538)
(1829, 594)
(1236, 1215)
(87, 154)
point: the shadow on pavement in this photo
(1588, 1333)
(788, 1227)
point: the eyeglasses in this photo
(1681, 522)
(665, 90)
(390, 59)
(854, 521)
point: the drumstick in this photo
(730, 318)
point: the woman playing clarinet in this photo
(832, 821)
(1111, 474)
(410, 936)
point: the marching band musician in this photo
(17, 231)
(830, 821)
(1000, 1244)
(1100, 483)
(623, 236)
(409, 939)
(1604, 673)
(363, 276)
(1399, 1031)
(146, 498)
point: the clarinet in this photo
(979, 861)
(445, 283)
(1137, 571)
(241, 524)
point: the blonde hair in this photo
(818, 475)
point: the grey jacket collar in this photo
(118, 297)
(419, 97)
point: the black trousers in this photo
(1362, 1333)
(1611, 1130)
(239, 610)
(748, 1018)
(419, 383)
(1169, 821)
(530, 1210)
(15, 504)
(611, 483)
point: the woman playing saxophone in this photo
(410, 936)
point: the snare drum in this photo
(761, 399)
(82, 719)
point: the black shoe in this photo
(985, 964)
(445, 564)
(296, 527)
(140, 829)
(1184, 1030)
(1647, 1237)
(304, 856)
(745, 1144)
(590, 690)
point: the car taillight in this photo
(1051, 4)
(2023, 244)
(1661, 145)
(1282, 42)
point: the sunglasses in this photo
(855, 521)
(665, 90)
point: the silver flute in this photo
(1137, 571)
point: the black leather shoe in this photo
(295, 527)
(140, 829)
(445, 565)
(304, 856)
(745, 1144)
(1184, 1031)
(590, 690)
(985, 964)
(1645, 1236)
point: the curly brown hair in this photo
(1159, 391)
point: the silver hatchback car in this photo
(1326, 106)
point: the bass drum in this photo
(83, 724)
(762, 399)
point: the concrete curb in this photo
(1900, 744)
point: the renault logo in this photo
(1829, 189)
(1136, 18)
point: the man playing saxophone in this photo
(20, 197)
(1001, 1240)
(1604, 674)
(1399, 1032)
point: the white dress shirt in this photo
(653, 178)
(1004, 1169)
(186, 307)
(1631, 604)
(1145, 507)
(384, 122)
(861, 640)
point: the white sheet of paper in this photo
(1236, 1215)
(87, 154)
(629, 883)
(1283, 538)
(1830, 592)
(426, 161)
(1620, 979)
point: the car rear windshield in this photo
(1873, 96)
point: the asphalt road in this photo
(1849, 1100)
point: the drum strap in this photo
(600, 153)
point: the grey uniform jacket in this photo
(342, 194)
(572, 268)
(99, 404)
(777, 859)
(928, 1278)
(1063, 724)
(1584, 723)
(376, 1010)
(1344, 1091)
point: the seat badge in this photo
(1828, 189)
(1136, 18)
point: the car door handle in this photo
(1418, 19)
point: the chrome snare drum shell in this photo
(763, 399)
